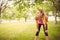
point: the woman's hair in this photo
(40, 10)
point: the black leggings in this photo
(45, 28)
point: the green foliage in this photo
(47, 6)
(21, 8)
(5, 16)
(38, 1)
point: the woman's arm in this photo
(45, 20)
(46, 17)
(36, 18)
(36, 24)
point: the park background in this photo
(17, 19)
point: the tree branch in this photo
(4, 6)
(17, 2)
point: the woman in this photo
(41, 19)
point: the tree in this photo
(23, 7)
(2, 7)
(38, 1)
(56, 8)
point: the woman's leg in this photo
(45, 31)
(37, 32)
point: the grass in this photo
(26, 31)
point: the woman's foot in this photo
(36, 38)
(46, 37)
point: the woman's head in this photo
(40, 12)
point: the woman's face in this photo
(39, 13)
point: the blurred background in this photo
(26, 9)
(17, 19)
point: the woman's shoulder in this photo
(36, 17)
(46, 16)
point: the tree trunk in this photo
(55, 9)
(55, 19)
(19, 19)
(25, 19)
(0, 14)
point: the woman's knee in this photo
(46, 33)
(37, 32)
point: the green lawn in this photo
(26, 31)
